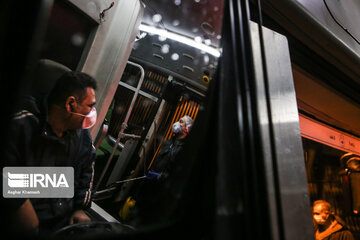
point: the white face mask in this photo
(89, 119)
(319, 220)
(176, 127)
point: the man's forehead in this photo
(320, 207)
(90, 91)
(90, 94)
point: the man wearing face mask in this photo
(328, 226)
(53, 131)
(146, 196)
(169, 150)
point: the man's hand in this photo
(152, 175)
(79, 216)
(26, 219)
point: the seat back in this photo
(45, 75)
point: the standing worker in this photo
(327, 225)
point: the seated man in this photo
(146, 197)
(169, 150)
(53, 132)
(327, 225)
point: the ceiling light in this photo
(180, 38)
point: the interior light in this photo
(185, 40)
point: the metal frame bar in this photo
(102, 213)
(124, 124)
(142, 93)
(287, 191)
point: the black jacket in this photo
(336, 231)
(167, 155)
(33, 143)
(149, 192)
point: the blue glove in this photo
(151, 175)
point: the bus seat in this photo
(45, 75)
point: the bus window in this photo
(330, 179)
(67, 35)
(329, 123)
(177, 50)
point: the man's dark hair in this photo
(71, 84)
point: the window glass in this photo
(66, 35)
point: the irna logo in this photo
(18, 180)
(38, 182)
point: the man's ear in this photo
(70, 104)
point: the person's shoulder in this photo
(347, 233)
(24, 124)
(33, 104)
(167, 142)
(24, 119)
(85, 137)
(343, 234)
(27, 109)
(180, 141)
(84, 134)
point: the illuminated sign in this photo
(329, 136)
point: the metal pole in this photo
(124, 124)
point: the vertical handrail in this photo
(124, 124)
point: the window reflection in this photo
(330, 179)
(179, 51)
(67, 33)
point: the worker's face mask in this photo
(89, 119)
(176, 127)
(319, 219)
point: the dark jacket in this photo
(33, 143)
(147, 197)
(167, 155)
(336, 231)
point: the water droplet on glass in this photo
(198, 39)
(162, 38)
(165, 48)
(177, 2)
(156, 18)
(206, 59)
(207, 42)
(174, 56)
(77, 39)
(194, 30)
(176, 23)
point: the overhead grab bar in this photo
(124, 124)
